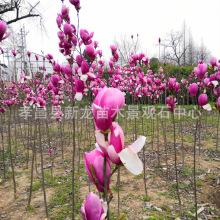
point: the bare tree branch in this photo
(18, 10)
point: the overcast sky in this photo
(112, 18)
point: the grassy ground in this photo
(161, 200)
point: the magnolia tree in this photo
(110, 148)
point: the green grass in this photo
(31, 209)
(115, 188)
(139, 176)
(209, 149)
(36, 186)
(63, 198)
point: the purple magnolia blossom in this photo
(202, 100)
(109, 100)
(76, 3)
(213, 61)
(193, 89)
(93, 208)
(86, 37)
(171, 103)
(200, 71)
(90, 52)
(218, 103)
(14, 53)
(3, 28)
(94, 162)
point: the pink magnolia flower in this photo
(193, 89)
(95, 44)
(60, 35)
(86, 37)
(202, 101)
(41, 101)
(93, 208)
(159, 40)
(96, 159)
(57, 68)
(69, 29)
(76, 3)
(109, 100)
(49, 56)
(200, 71)
(3, 28)
(130, 158)
(79, 59)
(213, 61)
(171, 83)
(216, 92)
(59, 20)
(65, 11)
(89, 50)
(84, 67)
(218, 103)
(113, 48)
(113, 145)
(80, 86)
(28, 53)
(14, 53)
(55, 79)
(50, 150)
(171, 103)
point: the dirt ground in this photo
(161, 200)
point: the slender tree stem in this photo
(42, 170)
(194, 167)
(177, 181)
(10, 152)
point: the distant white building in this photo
(3, 72)
(30, 65)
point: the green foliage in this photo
(31, 209)
(209, 149)
(36, 186)
(139, 176)
(63, 197)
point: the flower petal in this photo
(91, 74)
(207, 107)
(84, 77)
(78, 96)
(139, 143)
(131, 161)
(97, 147)
(100, 138)
(83, 212)
(113, 156)
(215, 83)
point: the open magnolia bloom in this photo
(202, 100)
(130, 158)
(112, 145)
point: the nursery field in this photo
(123, 136)
(150, 195)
